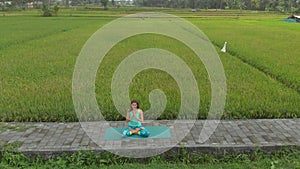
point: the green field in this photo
(38, 56)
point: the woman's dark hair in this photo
(137, 103)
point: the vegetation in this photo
(38, 55)
(265, 51)
(49, 11)
(251, 93)
(104, 3)
(44, 63)
(283, 6)
(287, 158)
(261, 66)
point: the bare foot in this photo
(135, 131)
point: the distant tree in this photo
(254, 4)
(241, 5)
(3, 5)
(273, 4)
(49, 11)
(138, 2)
(221, 4)
(76, 2)
(280, 5)
(264, 4)
(55, 9)
(192, 4)
(104, 3)
(46, 10)
(232, 4)
(204, 4)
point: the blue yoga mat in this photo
(155, 132)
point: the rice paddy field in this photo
(38, 56)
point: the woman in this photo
(135, 118)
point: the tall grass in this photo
(286, 158)
(269, 44)
(36, 75)
(251, 93)
(38, 56)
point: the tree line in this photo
(265, 5)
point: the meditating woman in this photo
(135, 118)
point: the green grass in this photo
(251, 93)
(36, 75)
(38, 56)
(267, 44)
(281, 159)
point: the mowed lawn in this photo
(38, 56)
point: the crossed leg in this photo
(135, 131)
(138, 131)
